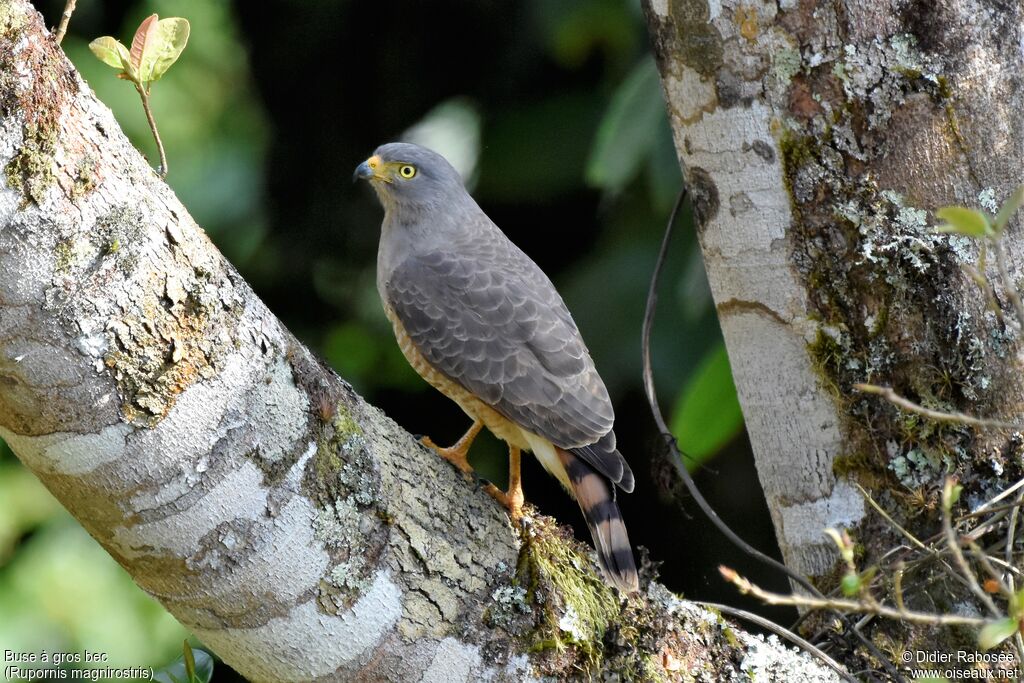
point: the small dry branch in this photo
(937, 415)
(861, 606)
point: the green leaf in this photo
(111, 52)
(996, 632)
(1010, 206)
(708, 413)
(143, 34)
(190, 660)
(177, 671)
(964, 221)
(629, 129)
(163, 48)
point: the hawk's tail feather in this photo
(603, 455)
(602, 514)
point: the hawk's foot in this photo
(457, 452)
(513, 498)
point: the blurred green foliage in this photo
(707, 414)
(631, 127)
(567, 126)
(61, 592)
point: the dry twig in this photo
(848, 606)
(937, 415)
(62, 28)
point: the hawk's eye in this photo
(407, 171)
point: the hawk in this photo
(482, 323)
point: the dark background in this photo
(266, 114)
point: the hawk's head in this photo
(404, 174)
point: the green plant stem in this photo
(144, 94)
(62, 28)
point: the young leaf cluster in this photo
(157, 44)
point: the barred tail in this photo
(603, 517)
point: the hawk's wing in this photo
(487, 317)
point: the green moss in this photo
(12, 25)
(827, 358)
(63, 256)
(343, 484)
(797, 151)
(954, 128)
(34, 84)
(30, 171)
(856, 463)
(343, 429)
(85, 179)
(730, 636)
(575, 607)
(907, 72)
(345, 426)
(342, 467)
(338, 436)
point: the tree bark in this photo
(295, 529)
(817, 138)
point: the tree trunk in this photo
(295, 529)
(817, 138)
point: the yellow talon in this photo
(512, 499)
(457, 453)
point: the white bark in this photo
(295, 529)
(816, 139)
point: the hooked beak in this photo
(368, 169)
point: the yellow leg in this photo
(513, 498)
(456, 453)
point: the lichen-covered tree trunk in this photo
(294, 528)
(817, 139)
